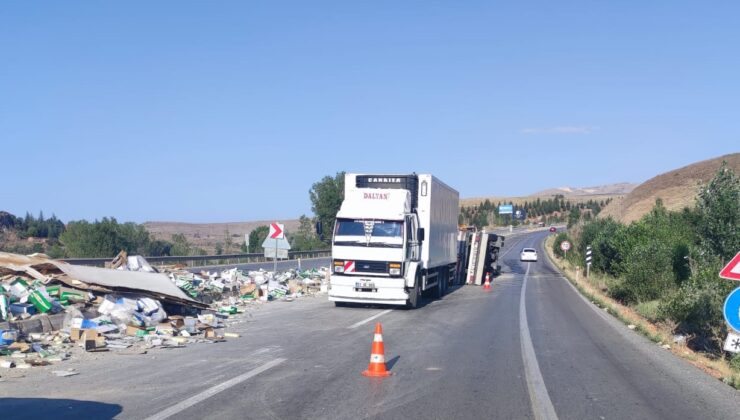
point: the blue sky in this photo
(229, 111)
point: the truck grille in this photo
(371, 266)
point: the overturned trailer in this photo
(478, 255)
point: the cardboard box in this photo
(177, 321)
(135, 331)
(165, 329)
(75, 334)
(209, 333)
(247, 289)
(70, 294)
(19, 346)
(53, 290)
(92, 341)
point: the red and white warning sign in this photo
(732, 269)
(277, 231)
(349, 266)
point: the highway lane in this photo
(595, 367)
(461, 357)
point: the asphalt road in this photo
(470, 355)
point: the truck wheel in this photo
(415, 294)
(441, 285)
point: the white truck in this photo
(395, 237)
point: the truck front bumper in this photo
(386, 290)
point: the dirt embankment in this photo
(677, 189)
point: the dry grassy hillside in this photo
(206, 235)
(677, 189)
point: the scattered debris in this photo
(64, 373)
(631, 326)
(679, 339)
(51, 311)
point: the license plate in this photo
(364, 285)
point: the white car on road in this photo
(528, 254)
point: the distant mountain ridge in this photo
(622, 188)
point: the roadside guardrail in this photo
(201, 260)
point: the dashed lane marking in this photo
(365, 321)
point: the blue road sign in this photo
(505, 209)
(732, 309)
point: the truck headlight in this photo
(394, 269)
(339, 266)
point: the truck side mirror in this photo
(319, 228)
(420, 234)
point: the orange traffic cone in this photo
(376, 368)
(487, 284)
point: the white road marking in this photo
(365, 321)
(541, 404)
(208, 393)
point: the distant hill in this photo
(677, 189)
(623, 188)
(573, 194)
(206, 235)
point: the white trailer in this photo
(395, 237)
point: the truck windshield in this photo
(373, 228)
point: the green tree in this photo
(180, 245)
(480, 220)
(256, 237)
(305, 239)
(326, 198)
(574, 216)
(603, 236)
(104, 239)
(159, 248)
(718, 204)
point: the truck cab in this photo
(381, 252)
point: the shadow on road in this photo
(390, 363)
(514, 266)
(426, 298)
(39, 408)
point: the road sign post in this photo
(732, 343)
(277, 232)
(732, 270)
(507, 209)
(565, 246)
(731, 310)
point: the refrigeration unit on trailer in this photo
(395, 237)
